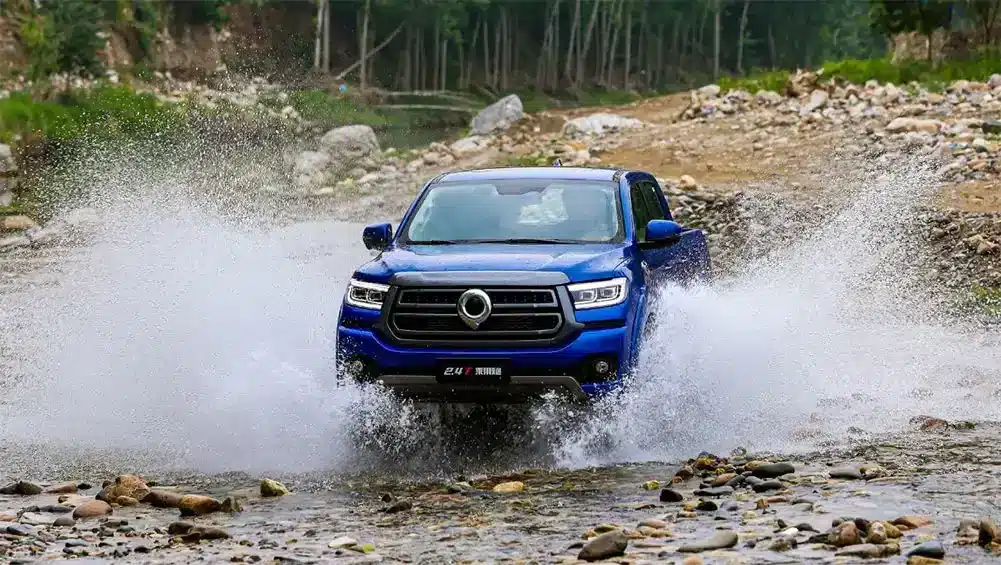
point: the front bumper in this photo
(411, 371)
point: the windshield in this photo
(518, 211)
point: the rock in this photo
(231, 505)
(687, 182)
(869, 550)
(692, 560)
(709, 91)
(22, 488)
(900, 125)
(180, 527)
(63, 488)
(608, 544)
(782, 543)
(991, 126)
(768, 98)
(126, 501)
(772, 470)
(931, 549)
(347, 144)
(850, 473)
(163, 499)
(399, 506)
(343, 541)
(989, 533)
(765, 486)
(877, 533)
(20, 530)
(470, 144)
(498, 116)
(844, 534)
(599, 124)
(818, 99)
(715, 491)
(968, 531)
(198, 505)
(912, 522)
(127, 486)
(199, 533)
(17, 223)
(720, 540)
(722, 480)
(92, 509)
(271, 488)
(917, 560)
(509, 487)
(310, 168)
(64, 521)
(671, 495)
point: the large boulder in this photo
(599, 124)
(347, 144)
(310, 168)
(8, 172)
(498, 116)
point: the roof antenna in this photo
(557, 163)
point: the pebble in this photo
(719, 540)
(271, 488)
(772, 470)
(671, 495)
(163, 499)
(92, 509)
(868, 550)
(608, 544)
(912, 522)
(715, 491)
(509, 487)
(765, 486)
(989, 533)
(931, 549)
(850, 473)
(22, 488)
(198, 505)
(844, 534)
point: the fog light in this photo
(601, 367)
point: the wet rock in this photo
(918, 560)
(818, 99)
(128, 486)
(968, 531)
(231, 505)
(844, 534)
(399, 506)
(651, 485)
(989, 533)
(765, 486)
(608, 544)
(92, 509)
(931, 549)
(849, 473)
(20, 530)
(707, 506)
(692, 560)
(715, 491)
(671, 495)
(509, 487)
(64, 521)
(198, 505)
(199, 533)
(772, 470)
(342, 542)
(877, 533)
(22, 488)
(868, 550)
(271, 488)
(163, 499)
(722, 480)
(126, 501)
(782, 543)
(912, 522)
(498, 116)
(991, 126)
(64, 488)
(719, 540)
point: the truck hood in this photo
(579, 262)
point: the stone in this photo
(509, 487)
(930, 549)
(818, 99)
(128, 486)
(912, 522)
(868, 550)
(22, 488)
(765, 486)
(347, 144)
(20, 530)
(849, 473)
(844, 534)
(231, 505)
(310, 168)
(720, 540)
(918, 560)
(715, 491)
(341, 542)
(498, 116)
(126, 501)
(901, 125)
(198, 505)
(64, 521)
(772, 470)
(722, 480)
(692, 560)
(877, 533)
(991, 126)
(92, 509)
(399, 506)
(671, 495)
(687, 182)
(271, 488)
(469, 145)
(989, 533)
(63, 488)
(7, 162)
(163, 499)
(968, 530)
(599, 124)
(18, 222)
(199, 533)
(608, 544)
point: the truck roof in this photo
(560, 173)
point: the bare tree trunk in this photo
(617, 24)
(486, 52)
(554, 51)
(326, 38)
(363, 45)
(588, 35)
(540, 66)
(444, 65)
(436, 53)
(771, 48)
(716, 31)
(575, 23)
(740, 38)
(629, 48)
(407, 75)
(318, 38)
(498, 33)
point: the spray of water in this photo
(201, 334)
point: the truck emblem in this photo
(474, 307)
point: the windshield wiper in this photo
(525, 240)
(436, 242)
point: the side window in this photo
(654, 206)
(641, 213)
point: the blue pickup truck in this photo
(502, 285)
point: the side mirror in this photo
(377, 236)
(663, 230)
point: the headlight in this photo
(365, 294)
(598, 294)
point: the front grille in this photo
(431, 314)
